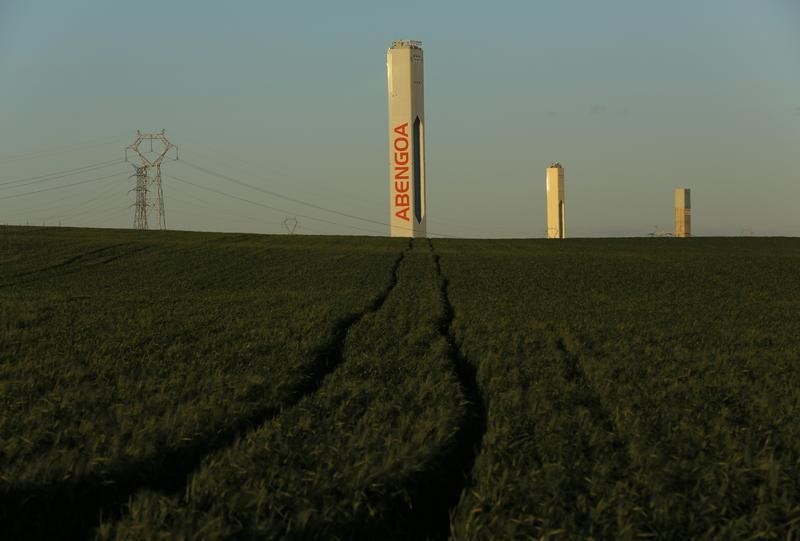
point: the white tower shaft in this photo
(556, 212)
(404, 67)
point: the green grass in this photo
(169, 384)
(347, 461)
(635, 388)
(123, 355)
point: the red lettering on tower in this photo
(402, 202)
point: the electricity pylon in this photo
(149, 194)
(290, 224)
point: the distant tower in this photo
(146, 160)
(406, 139)
(556, 219)
(683, 213)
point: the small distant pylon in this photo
(149, 193)
(290, 224)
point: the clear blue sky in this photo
(635, 98)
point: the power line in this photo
(215, 208)
(350, 196)
(108, 213)
(275, 176)
(58, 174)
(62, 186)
(84, 208)
(284, 211)
(38, 208)
(290, 224)
(292, 199)
(310, 229)
(277, 209)
(61, 149)
(95, 208)
(280, 196)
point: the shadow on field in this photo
(84, 259)
(434, 499)
(585, 396)
(420, 508)
(73, 508)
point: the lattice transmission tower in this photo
(149, 151)
(290, 224)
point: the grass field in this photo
(195, 385)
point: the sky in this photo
(635, 98)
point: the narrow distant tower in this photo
(556, 219)
(406, 139)
(683, 213)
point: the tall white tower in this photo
(556, 218)
(683, 213)
(406, 139)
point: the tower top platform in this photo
(406, 44)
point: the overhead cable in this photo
(284, 211)
(59, 149)
(292, 199)
(60, 174)
(61, 186)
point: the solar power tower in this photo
(683, 213)
(407, 206)
(556, 217)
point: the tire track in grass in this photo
(573, 372)
(70, 260)
(613, 450)
(469, 438)
(31, 275)
(119, 256)
(73, 508)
